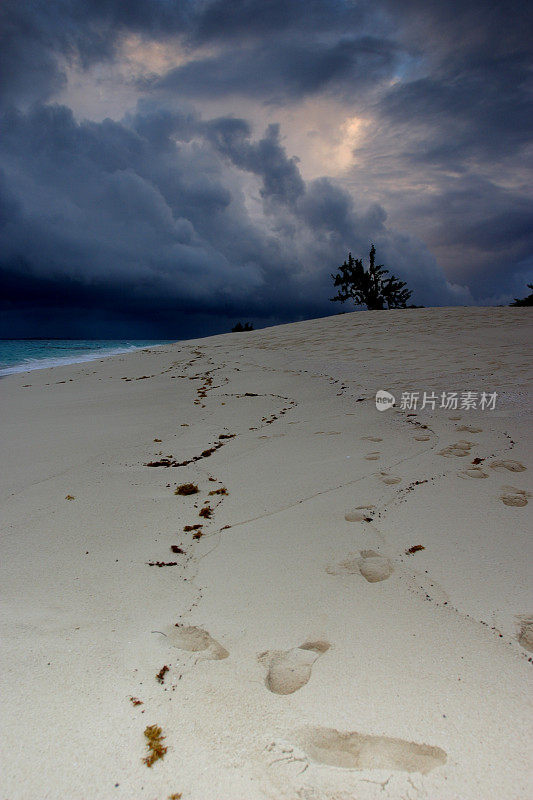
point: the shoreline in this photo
(350, 618)
(49, 362)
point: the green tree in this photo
(525, 301)
(369, 287)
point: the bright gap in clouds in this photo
(321, 132)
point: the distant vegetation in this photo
(239, 327)
(369, 287)
(525, 301)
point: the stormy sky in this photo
(169, 167)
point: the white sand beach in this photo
(310, 656)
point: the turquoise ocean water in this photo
(24, 355)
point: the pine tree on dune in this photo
(369, 287)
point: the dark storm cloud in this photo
(284, 71)
(281, 179)
(148, 218)
(248, 19)
(457, 118)
(455, 131)
(38, 39)
(167, 211)
(471, 93)
(489, 226)
(481, 109)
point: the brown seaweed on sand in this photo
(161, 674)
(414, 549)
(154, 736)
(187, 488)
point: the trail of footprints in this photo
(375, 567)
(288, 671)
(511, 495)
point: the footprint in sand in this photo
(468, 429)
(360, 514)
(514, 497)
(525, 632)
(422, 437)
(196, 640)
(390, 480)
(459, 449)
(374, 567)
(473, 472)
(512, 466)
(371, 565)
(353, 750)
(374, 456)
(289, 670)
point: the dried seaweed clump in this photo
(414, 549)
(206, 512)
(135, 701)
(187, 488)
(161, 674)
(70, 497)
(154, 736)
(164, 462)
(222, 490)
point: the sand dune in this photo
(342, 610)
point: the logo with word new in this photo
(384, 400)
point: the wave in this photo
(30, 364)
